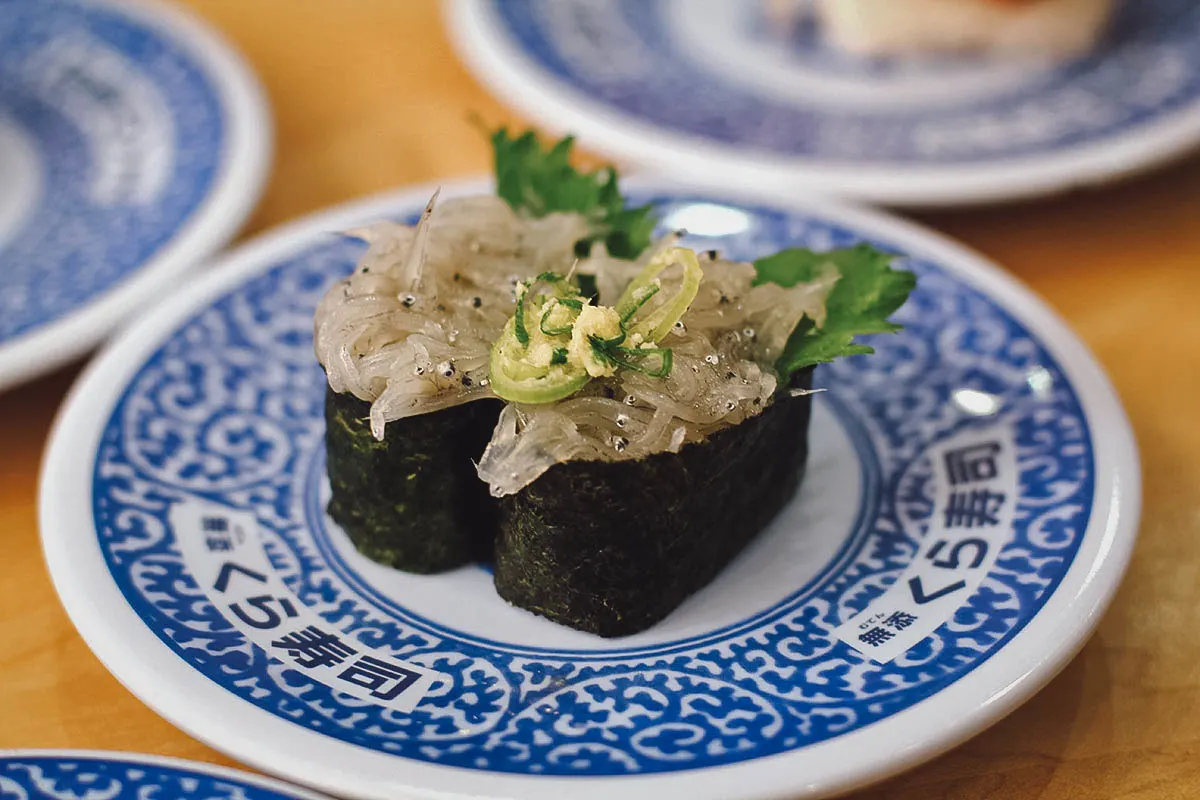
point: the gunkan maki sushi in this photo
(652, 434)
(405, 342)
(638, 412)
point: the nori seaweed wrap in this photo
(613, 547)
(411, 500)
(671, 429)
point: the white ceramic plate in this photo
(133, 143)
(100, 775)
(185, 477)
(708, 91)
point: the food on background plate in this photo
(655, 400)
(1047, 28)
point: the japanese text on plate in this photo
(223, 552)
(975, 494)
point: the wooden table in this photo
(368, 95)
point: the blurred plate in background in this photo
(103, 775)
(133, 144)
(707, 90)
(207, 415)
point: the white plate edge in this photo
(237, 188)
(519, 83)
(264, 748)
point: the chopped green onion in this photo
(638, 303)
(565, 329)
(516, 380)
(529, 366)
(665, 355)
(658, 323)
(610, 351)
(522, 333)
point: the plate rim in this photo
(239, 184)
(140, 660)
(502, 67)
(170, 762)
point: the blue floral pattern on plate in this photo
(128, 135)
(229, 409)
(716, 73)
(37, 776)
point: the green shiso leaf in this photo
(868, 292)
(539, 181)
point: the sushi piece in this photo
(638, 412)
(646, 442)
(1046, 28)
(613, 547)
(405, 342)
(411, 500)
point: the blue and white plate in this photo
(133, 143)
(970, 506)
(708, 91)
(102, 775)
